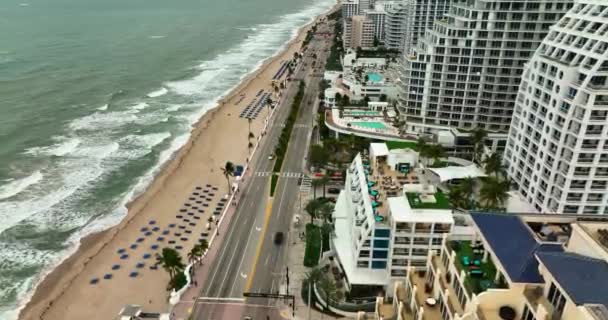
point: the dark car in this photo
(278, 238)
(333, 190)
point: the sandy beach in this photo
(220, 136)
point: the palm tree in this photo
(435, 152)
(171, 261)
(423, 149)
(467, 185)
(194, 253)
(328, 290)
(312, 207)
(493, 164)
(324, 180)
(228, 171)
(494, 192)
(250, 145)
(478, 136)
(315, 183)
(458, 198)
(249, 123)
(203, 246)
(325, 211)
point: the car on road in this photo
(333, 190)
(270, 157)
(278, 238)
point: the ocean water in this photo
(96, 95)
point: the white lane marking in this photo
(267, 258)
(230, 262)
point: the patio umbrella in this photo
(374, 192)
(374, 204)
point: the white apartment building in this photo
(525, 268)
(394, 27)
(358, 32)
(466, 71)
(365, 5)
(421, 14)
(350, 8)
(377, 232)
(557, 150)
(378, 16)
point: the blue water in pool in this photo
(374, 77)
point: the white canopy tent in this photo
(451, 173)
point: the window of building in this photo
(556, 298)
(378, 264)
(380, 254)
(380, 243)
(382, 233)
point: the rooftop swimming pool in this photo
(369, 124)
(362, 113)
(374, 77)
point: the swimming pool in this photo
(374, 77)
(370, 125)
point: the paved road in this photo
(257, 220)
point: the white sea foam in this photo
(103, 108)
(156, 37)
(174, 107)
(139, 106)
(15, 187)
(82, 167)
(157, 93)
(63, 147)
(226, 68)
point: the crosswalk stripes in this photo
(306, 184)
(282, 175)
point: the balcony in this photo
(479, 275)
(536, 299)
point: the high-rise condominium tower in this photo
(557, 151)
(407, 21)
(421, 14)
(466, 71)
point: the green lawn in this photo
(312, 252)
(441, 201)
(480, 283)
(273, 184)
(402, 145)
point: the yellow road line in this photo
(260, 243)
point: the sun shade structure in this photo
(451, 173)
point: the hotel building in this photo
(421, 14)
(466, 71)
(350, 8)
(548, 267)
(394, 28)
(358, 32)
(378, 232)
(558, 142)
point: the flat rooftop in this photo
(402, 211)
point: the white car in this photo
(270, 157)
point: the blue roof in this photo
(514, 245)
(584, 279)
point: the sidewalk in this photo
(297, 270)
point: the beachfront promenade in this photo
(244, 257)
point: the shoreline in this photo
(53, 285)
